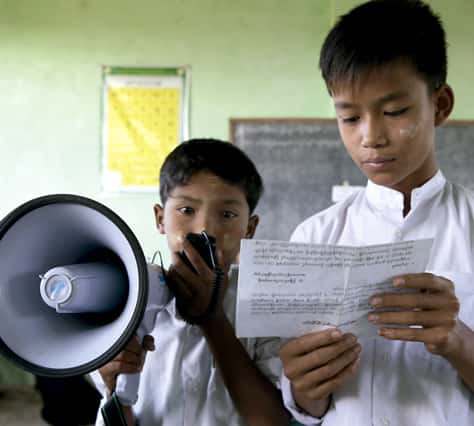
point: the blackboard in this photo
(300, 161)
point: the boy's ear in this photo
(252, 226)
(159, 218)
(444, 103)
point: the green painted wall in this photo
(248, 59)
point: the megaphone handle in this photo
(126, 387)
(125, 393)
(112, 412)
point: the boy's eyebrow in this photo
(395, 96)
(233, 202)
(184, 198)
(230, 201)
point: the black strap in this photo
(112, 412)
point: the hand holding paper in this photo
(432, 310)
(317, 364)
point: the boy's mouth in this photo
(377, 163)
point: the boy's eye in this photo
(350, 120)
(229, 214)
(186, 210)
(397, 112)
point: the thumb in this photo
(148, 343)
(221, 263)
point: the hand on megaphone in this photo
(129, 361)
(198, 284)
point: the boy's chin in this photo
(383, 179)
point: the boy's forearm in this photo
(256, 399)
(462, 359)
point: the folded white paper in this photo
(289, 289)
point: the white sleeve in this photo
(290, 404)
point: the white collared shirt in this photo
(401, 383)
(180, 384)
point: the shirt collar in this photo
(386, 198)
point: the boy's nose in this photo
(372, 134)
(206, 224)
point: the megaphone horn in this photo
(73, 285)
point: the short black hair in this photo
(222, 159)
(379, 32)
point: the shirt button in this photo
(398, 235)
(384, 421)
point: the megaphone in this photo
(74, 287)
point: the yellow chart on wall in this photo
(144, 119)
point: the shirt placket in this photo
(382, 368)
(190, 377)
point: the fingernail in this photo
(350, 339)
(399, 282)
(373, 317)
(376, 301)
(336, 334)
(356, 364)
(385, 332)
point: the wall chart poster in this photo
(145, 115)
